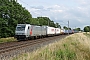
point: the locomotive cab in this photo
(22, 30)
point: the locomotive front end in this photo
(20, 32)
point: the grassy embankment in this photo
(10, 39)
(73, 47)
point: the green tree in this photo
(87, 29)
(12, 13)
(34, 21)
(66, 28)
(52, 24)
(46, 21)
(78, 29)
(57, 25)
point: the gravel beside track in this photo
(13, 49)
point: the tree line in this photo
(12, 13)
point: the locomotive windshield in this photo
(20, 28)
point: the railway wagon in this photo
(61, 31)
(75, 31)
(57, 31)
(50, 31)
(37, 31)
(27, 31)
(65, 31)
(68, 31)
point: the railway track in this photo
(17, 45)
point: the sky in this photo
(77, 12)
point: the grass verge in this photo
(73, 47)
(87, 34)
(10, 39)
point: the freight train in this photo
(27, 31)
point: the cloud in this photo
(76, 11)
(58, 13)
(37, 7)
